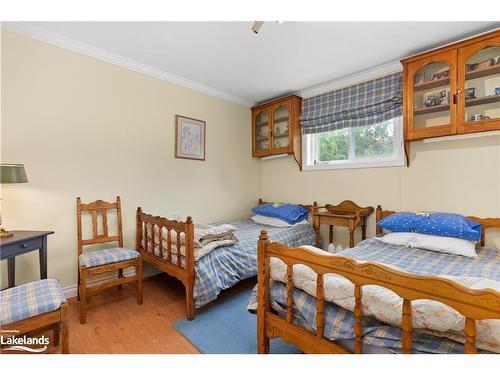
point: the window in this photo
(376, 145)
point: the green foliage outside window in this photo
(375, 140)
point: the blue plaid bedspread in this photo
(225, 266)
(339, 322)
(28, 300)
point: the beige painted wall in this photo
(456, 176)
(87, 128)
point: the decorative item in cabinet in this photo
(452, 90)
(276, 128)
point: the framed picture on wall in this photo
(189, 138)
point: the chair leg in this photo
(138, 271)
(120, 276)
(83, 298)
(78, 287)
(65, 337)
(56, 332)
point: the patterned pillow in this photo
(436, 223)
(291, 213)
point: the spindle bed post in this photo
(169, 246)
(470, 336)
(320, 306)
(263, 277)
(358, 316)
(189, 245)
(406, 327)
(289, 293)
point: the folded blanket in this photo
(206, 239)
(386, 306)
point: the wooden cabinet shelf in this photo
(483, 100)
(431, 84)
(436, 108)
(495, 69)
(280, 120)
(284, 135)
(281, 117)
(450, 118)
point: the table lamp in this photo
(11, 174)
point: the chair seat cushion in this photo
(28, 300)
(106, 256)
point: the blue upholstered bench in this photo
(33, 306)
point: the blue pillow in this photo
(291, 213)
(437, 224)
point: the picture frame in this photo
(419, 78)
(470, 93)
(189, 138)
(434, 98)
(485, 64)
(441, 74)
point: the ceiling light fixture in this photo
(256, 26)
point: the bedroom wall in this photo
(87, 128)
(456, 176)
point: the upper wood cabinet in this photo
(276, 128)
(454, 89)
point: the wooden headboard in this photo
(486, 223)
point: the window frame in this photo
(309, 151)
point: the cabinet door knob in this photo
(24, 245)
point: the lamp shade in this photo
(13, 174)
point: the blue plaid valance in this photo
(367, 103)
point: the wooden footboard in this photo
(163, 250)
(473, 304)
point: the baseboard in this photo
(71, 291)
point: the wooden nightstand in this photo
(24, 241)
(347, 214)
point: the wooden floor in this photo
(116, 324)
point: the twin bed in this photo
(302, 298)
(220, 269)
(403, 294)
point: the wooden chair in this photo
(32, 307)
(98, 262)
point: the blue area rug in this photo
(226, 327)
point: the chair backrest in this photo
(96, 207)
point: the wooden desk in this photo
(347, 214)
(24, 241)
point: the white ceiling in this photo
(283, 58)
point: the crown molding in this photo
(351, 79)
(97, 53)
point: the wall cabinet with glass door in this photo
(454, 89)
(276, 128)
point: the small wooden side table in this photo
(24, 241)
(347, 214)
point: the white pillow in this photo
(449, 245)
(274, 221)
